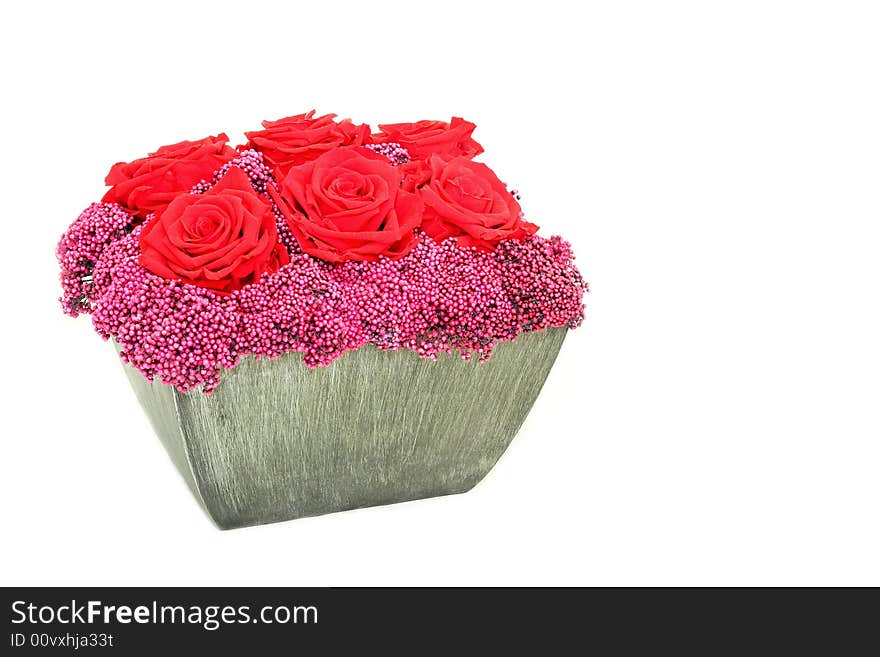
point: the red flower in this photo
(465, 200)
(425, 138)
(415, 174)
(348, 205)
(150, 183)
(302, 138)
(222, 239)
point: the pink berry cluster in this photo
(79, 250)
(395, 153)
(438, 298)
(249, 161)
(182, 334)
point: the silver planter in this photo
(278, 440)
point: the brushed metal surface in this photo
(278, 441)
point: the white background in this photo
(716, 167)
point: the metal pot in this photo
(278, 440)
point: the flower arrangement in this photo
(315, 236)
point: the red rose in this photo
(348, 205)
(425, 138)
(150, 183)
(414, 174)
(222, 239)
(465, 200)
(302, 138)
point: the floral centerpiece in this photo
(315, 237)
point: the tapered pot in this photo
(278, 440)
